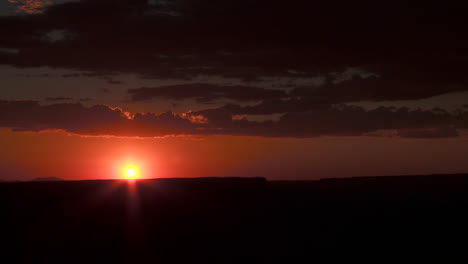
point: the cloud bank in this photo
(400, 50)
(411, 54)
(340, 120)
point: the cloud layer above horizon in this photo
(302, 63)
(339, 120)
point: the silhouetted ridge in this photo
(112, 220)
(47, 179)
(408, 178)
(213, 190)
(214, 182)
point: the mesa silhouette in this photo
(116, 220)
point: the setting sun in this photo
(130, 172)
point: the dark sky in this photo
(277, 73)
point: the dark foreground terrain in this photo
(113, 221)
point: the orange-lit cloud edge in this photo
(107, 121)
(61, 131)
(31, 6)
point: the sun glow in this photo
(130, 172)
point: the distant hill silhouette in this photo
(47, 179)
(118, 221)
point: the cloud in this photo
(63, 98)
(9, 51)
(114, 82)
(31, 116)
(275, 106)
(57, 35)
(390, 85)
(94, 120)
(338, 120)
(204, 92)
(432, 132)
(239, 39)
(186, 39)
(31, 6)
(60, 98)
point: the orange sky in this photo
(55, 154)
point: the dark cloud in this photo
(437, 132)
(31, 6)
(102, 74)
(204, 92)
(403, 84)
(31, 116)
(338, 120)
(416, 50)
(115, 82)
(53, 99)
(369, 88)
(275, 106)
(61, 98)
(354, 121)
(95, 120)
(413, 51)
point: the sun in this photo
(130, 172)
